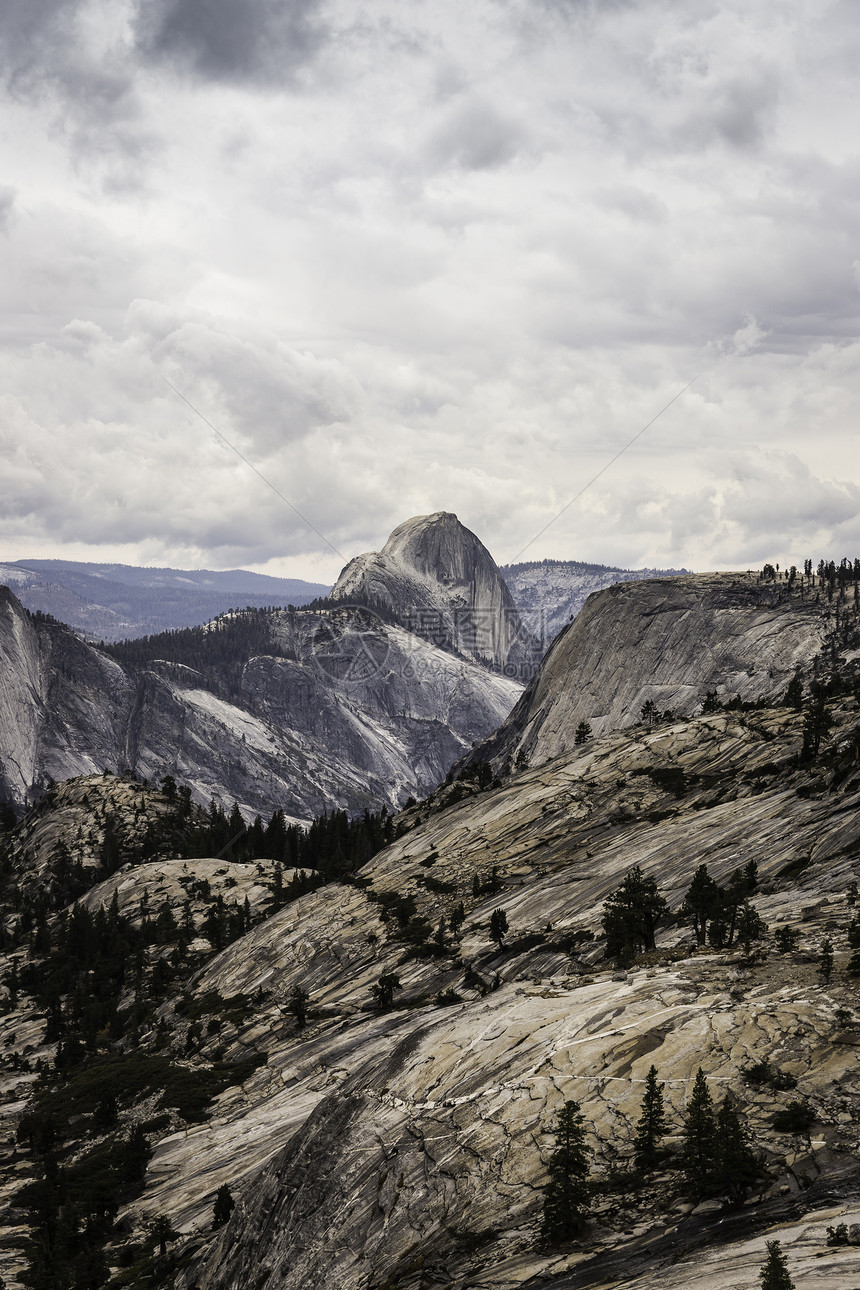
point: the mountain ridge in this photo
(549, 593)
(667, 642)
(314, 708)
(112, 602)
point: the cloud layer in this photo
(409, 258)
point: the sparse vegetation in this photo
(652, 1124)
(498, 926)
(796, 1118)
(566, 1195)
(774, 1273)
(630, 917)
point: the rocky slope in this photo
(668, 641)
(439, 580)
(404, 1142)
(331, 708)
(550, 593)
(407, 1146)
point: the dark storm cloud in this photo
(231, 40)
(54, 55)
(32, 37)
(57, 46)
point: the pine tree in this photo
(702, 902)
(735, 1165)
(652, 1123)
(583, 733)
(567, 1192)
(825, 959)
(297, 1004)
(774, 1271)
(498, 926)
(277, 898)
(630, 917)
(649, 713)
(224, 1206)
(700, 1131)
(161, 1232)
(817, 721)
(750, 925)
(794, 694)
(383, 991)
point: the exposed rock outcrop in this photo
(345, 711)
(405, 1141)
(439, 580)
(668, 641)
(424, 1161)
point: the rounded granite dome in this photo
(439, 580)
(440, 546)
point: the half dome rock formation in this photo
(439, 581)
(667, 642)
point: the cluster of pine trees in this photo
(334, 845)
(218, 650)
(716, 1158)
(718, 915)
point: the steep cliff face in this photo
(21, 699)
(440, 581)
(345, 712)
(669, 641)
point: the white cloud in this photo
(444, 257)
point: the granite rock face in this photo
(408, 1146)
(423, 1160)
(669, 641)
(439, 580)
(550, 593)
(346, 711)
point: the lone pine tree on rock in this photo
(735, 1165)
(383, 991)
(567, 1193)
(498, 926)
(162, 1232)
(224, 1206)
(700, 1131)
(774, 1273)
(297, 1004)
(825, 959)
(652, 1124)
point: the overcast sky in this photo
(419, 255)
